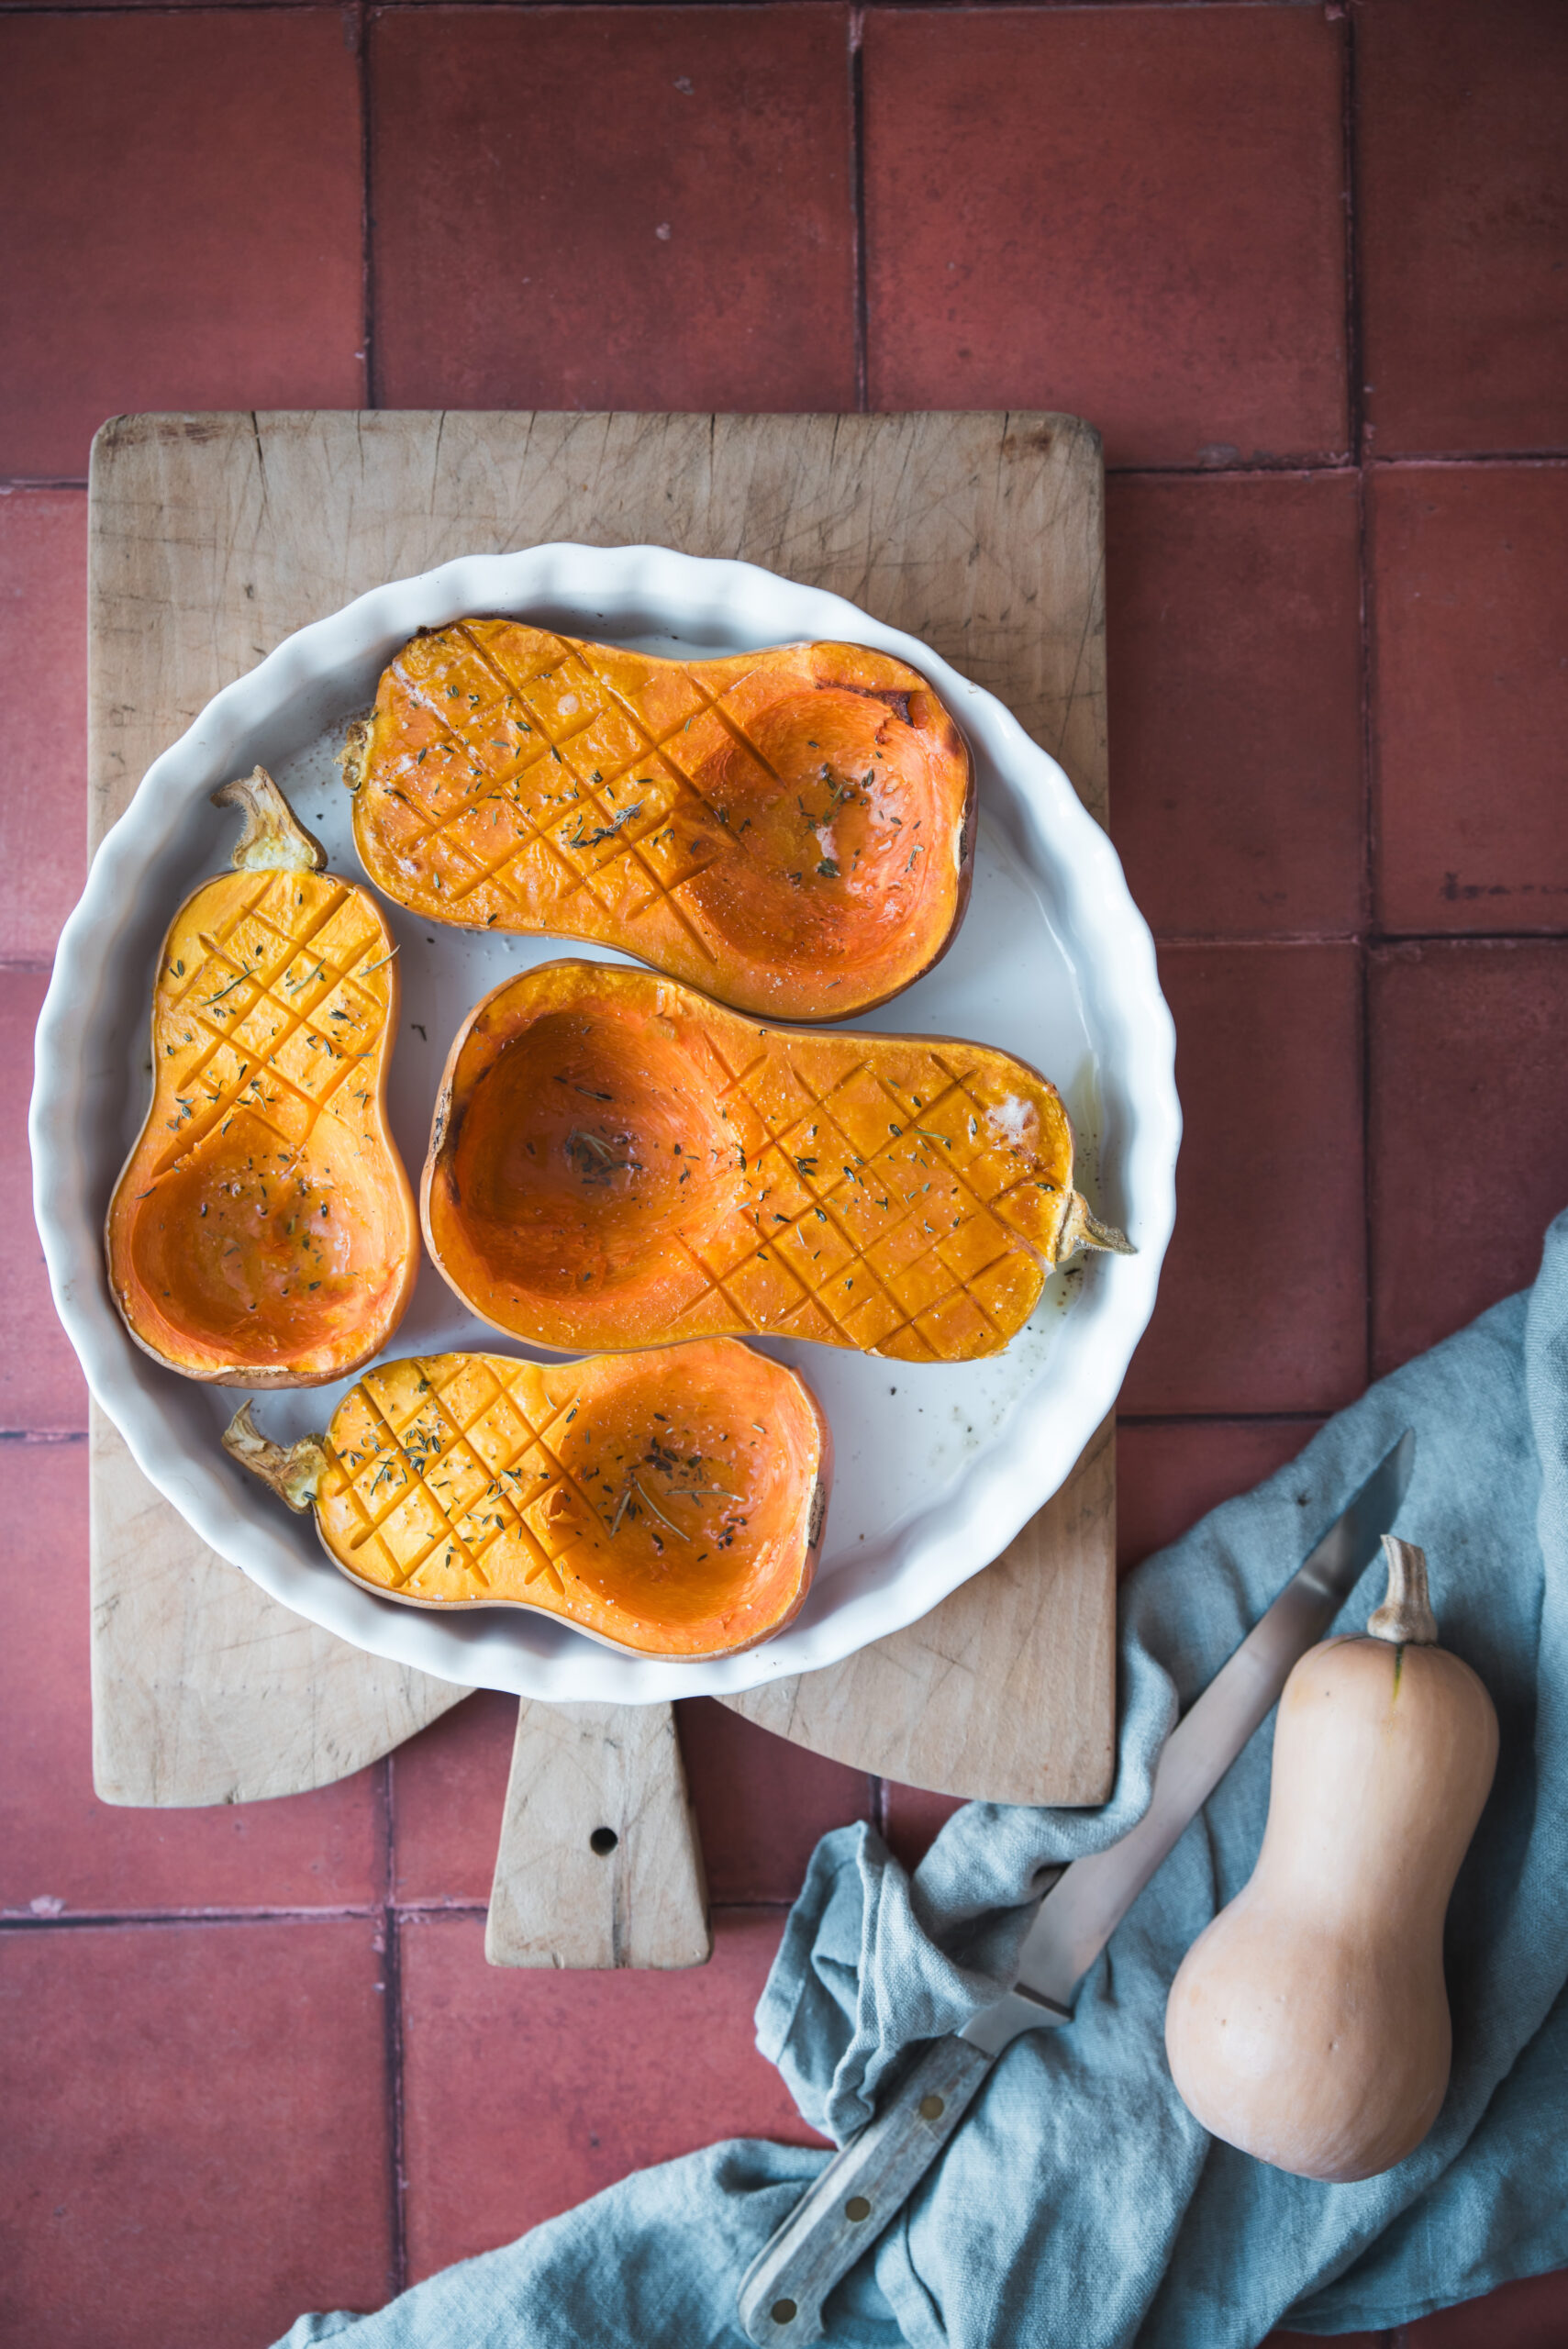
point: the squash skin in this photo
(667, 1504)
(215, 1275)
(791, 832)
(617, 1161)
(1308, 2025)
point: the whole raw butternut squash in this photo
(670, 1503)
(262, 1232)
(616, 1160)
(790, 830)
(1309, 2023)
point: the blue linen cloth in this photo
(1080, 2205)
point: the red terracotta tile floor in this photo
(41, 1388)
(1234, 612)
(43, 687)
(1470, 618)
(1269, 1186)
(193, 190)
(689, 243)
(1308, 270)
(1464, 220)
(1133, 214)
(525, 2091)
(1468, 1106)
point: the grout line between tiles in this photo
(1254, 939)
(362, 19)
(1379, 938)
(384, 1916)
(858, 206)
(1370, 941)
(421, 1911)
(1305, 1417)
(392, 2025)
(520, 7)
(1305, 468)
(1540, 459)
(1363, 1015)
(1355, 417)
(1355, 365)
(132, 1920)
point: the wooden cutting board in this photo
(214, 536)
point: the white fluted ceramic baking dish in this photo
(937, 1467)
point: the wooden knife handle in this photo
(862, 2189)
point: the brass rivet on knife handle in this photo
(849, 2202)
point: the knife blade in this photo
(861, 2189)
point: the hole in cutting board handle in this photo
(604, 1840)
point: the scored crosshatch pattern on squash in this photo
(904, 1189)
(465, 1453)
(507, 778)
(571, 833)
(449, 1461)
(244, 1242)
(709, 1176)
(280, 998)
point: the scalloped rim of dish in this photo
(631, 589)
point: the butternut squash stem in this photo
(351, 757)
(1406, 1616)
(293, 1471)
(1082, 1229)
(273, 838)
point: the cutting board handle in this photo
(599, 1864)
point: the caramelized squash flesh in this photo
(790, 830)
(262, 1232)
(670, 1503)
(578, 1147)
(617, 1162)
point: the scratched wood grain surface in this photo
(212, 537)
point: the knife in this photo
(869, 2179)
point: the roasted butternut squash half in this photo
(790, 830)
(617, 1162)
(263, 1233)
(670, 1503)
